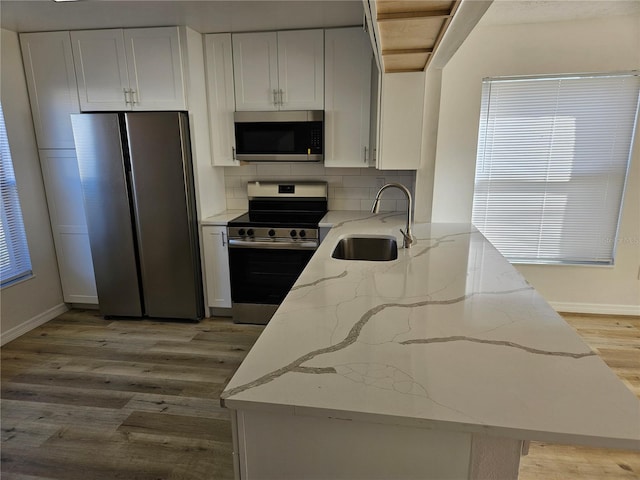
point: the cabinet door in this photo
(101, 69)
(255, 69)
(301, 69)
(221, 99)
(401, 113)
(216, 259)
(51, 80)
(154, 63)
(69, 226)
(347, 97)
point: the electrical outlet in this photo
(379, 182)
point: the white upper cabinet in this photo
(101, 69)
(279, 70)
(301, 70)
(255, 69)
(400, 120)
(221, 98)
(154, 63)
(348, 58)
(51, 80)
(133, 69)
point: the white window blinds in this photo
(14, 252)
(553, 154)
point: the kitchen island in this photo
(440, 364)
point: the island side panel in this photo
(495, 458)
(275, 445)
(235, 439)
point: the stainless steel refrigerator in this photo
(138, 190)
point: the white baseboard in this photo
(32, 323)
(596, 308)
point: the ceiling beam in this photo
(390, 16)
(403, 51)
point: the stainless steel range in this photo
(271, 244)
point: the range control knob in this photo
(272, 232)
(250, 232)
(292, 233)
(241, 232)
(302, 234)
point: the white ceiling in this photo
(206, 16)
(209, 16)
(509, 12)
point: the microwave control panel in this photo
(315, 139)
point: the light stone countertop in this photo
(221, 219)
(337, 217)
(448, 336)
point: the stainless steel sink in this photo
(376, 249)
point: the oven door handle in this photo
(308, 245)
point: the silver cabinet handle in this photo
(134, 97)
(281, 93)
(233, 152)
(127, 99)
(224, 242)
(275, 96)
(365, 154)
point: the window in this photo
(15, 263)
(553, 154)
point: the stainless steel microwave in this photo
(283, 136)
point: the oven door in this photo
(262, 273)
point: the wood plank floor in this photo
(86, 398)
(617, 341)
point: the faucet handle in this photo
(408, 238)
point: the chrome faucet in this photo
(408, 237)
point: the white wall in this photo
(598, 45)
(38, 299)
(349, 188)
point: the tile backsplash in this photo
(349, 188)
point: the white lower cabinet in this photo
(68, 223)
(216, 261)
(323, 445)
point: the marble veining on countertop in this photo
(223, 218)
(449, 335)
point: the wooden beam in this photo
(404, 51)
(403, 70)
(384, 17)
